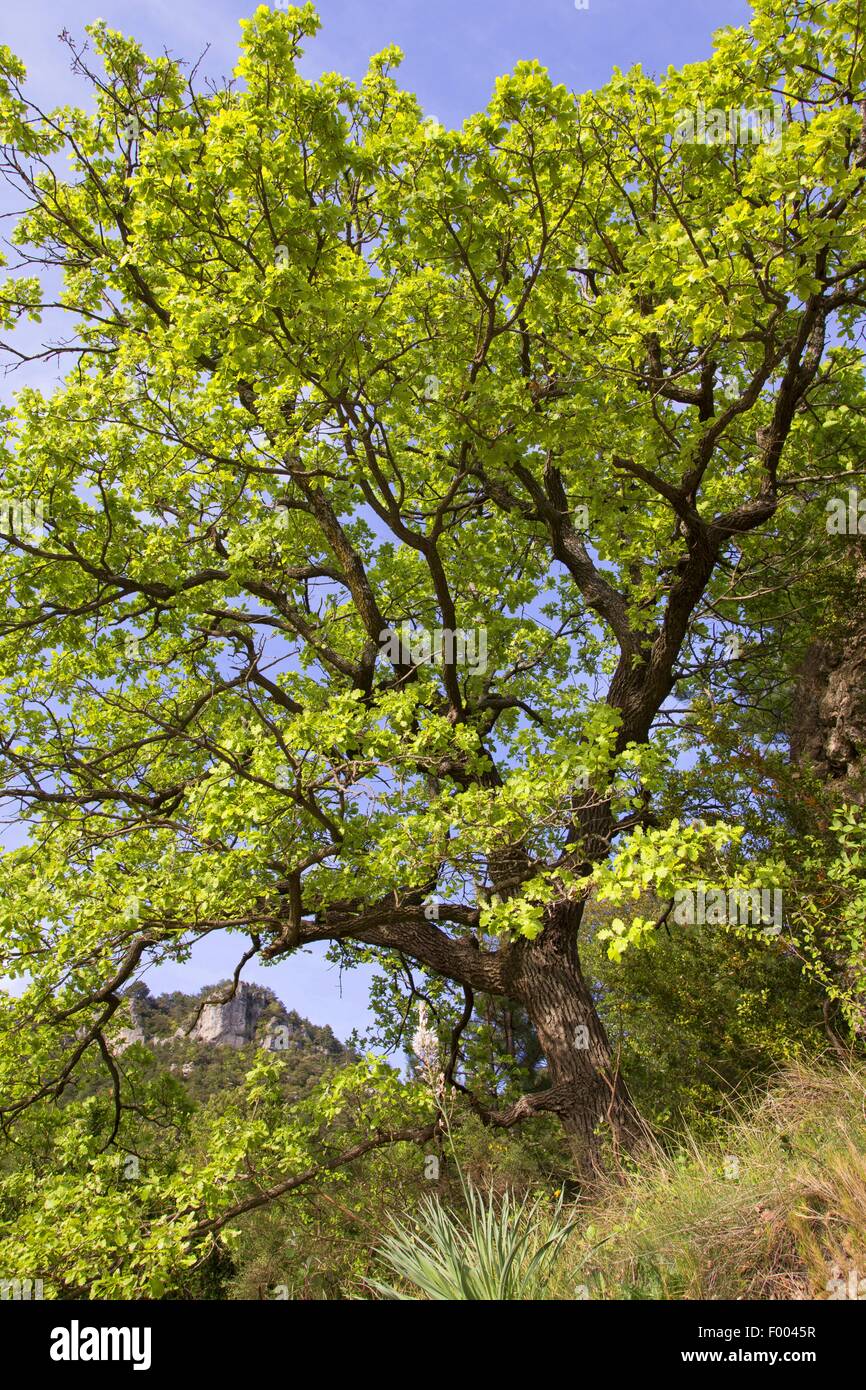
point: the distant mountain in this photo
(207, 1039)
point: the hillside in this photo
(207, 1039)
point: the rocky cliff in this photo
(233, 1020)
(207, 1038)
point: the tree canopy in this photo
(424, 535)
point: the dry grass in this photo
(793, 1219)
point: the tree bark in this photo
(589, 1095)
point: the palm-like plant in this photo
(502, 1250)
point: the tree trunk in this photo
(828, 719)
(592, 1101)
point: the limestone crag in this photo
(219, 1016)
(232, 1023)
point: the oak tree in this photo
(388, 508)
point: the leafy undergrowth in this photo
(774, 1209)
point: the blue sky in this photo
(454, 51)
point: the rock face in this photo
(234, 1023)
(280, 1035)
(134, 1033)
(195, 1035)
